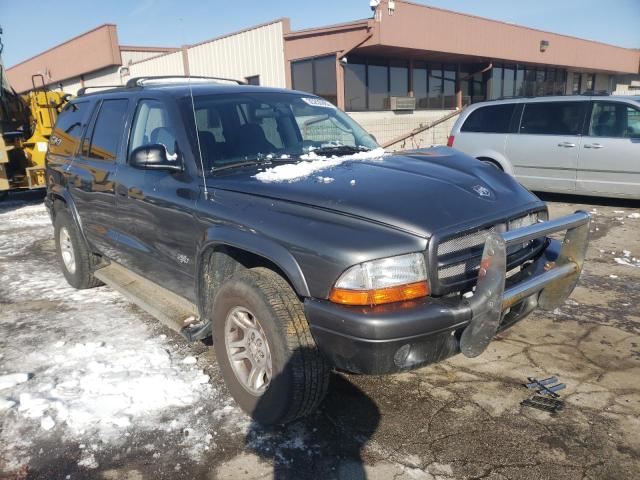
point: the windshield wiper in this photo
(255, 161)
(339, 150)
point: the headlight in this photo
(387, 280)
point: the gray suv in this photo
(587, 145)
(270, 221)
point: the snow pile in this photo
(627, 259)
(634, 215)
(82, 365)
(311, 164)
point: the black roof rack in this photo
(139, 81)
(83, 90)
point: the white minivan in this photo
(588, 145)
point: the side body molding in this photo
(253, 242)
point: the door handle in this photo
(566, 144)
(594, 145)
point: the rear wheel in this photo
(73, 255)
(266, 353)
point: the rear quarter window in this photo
(490, 119)
(66, 134)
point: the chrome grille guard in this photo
(554, 285)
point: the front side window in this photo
(492, 119)
(236, 128)
(151, 126)
(553, 118)
(108, 128)
(65, 138)
(614, 120)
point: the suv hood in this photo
(419, 191)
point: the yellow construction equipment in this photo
(26, 123)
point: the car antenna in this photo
(195, 124)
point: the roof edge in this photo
(515, 25)
(63, 43)
(284, 20)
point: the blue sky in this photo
(172, 23)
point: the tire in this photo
(299, 373)
(66, 234)
(492, 163)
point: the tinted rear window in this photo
(491, 119)
(553, 118)
(66, 134)
(108, 130)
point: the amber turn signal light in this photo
(380, 296)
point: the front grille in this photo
(459, 256)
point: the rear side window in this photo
(107, 131)
(614, 120)
(66, 134)
(553, 118)
(492, 119)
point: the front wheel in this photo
(266, 353)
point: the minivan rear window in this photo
(553, 118)
(490, 119)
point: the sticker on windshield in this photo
(318, 102)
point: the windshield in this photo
(238, 128)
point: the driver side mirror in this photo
(154, 157)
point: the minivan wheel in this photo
(267, 356)
(492, 163)
(73, 255)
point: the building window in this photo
(583, 82)
(253, 80)
(434, 85)
(317, 76)
(355, 87)
(368, 83)
(518, 81)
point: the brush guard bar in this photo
(553, 286)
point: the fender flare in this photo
(65, 196)
(257, 244)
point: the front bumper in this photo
(398, 337)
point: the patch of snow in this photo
(618, 211)
(13, 379)
(47, 423)
(96, 370)
(312, 163)
(325, 179)
(88, 461)
(190, 360)
(6, 404)
(613, 276)
(630, 262)
(352, 182)
(634, 215)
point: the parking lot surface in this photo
(92, 387)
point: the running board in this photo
(174, 311)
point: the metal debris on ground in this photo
(547, 404)
(546, 397)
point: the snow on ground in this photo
(82, 366)
(313, 163)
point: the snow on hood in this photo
(313, 163)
